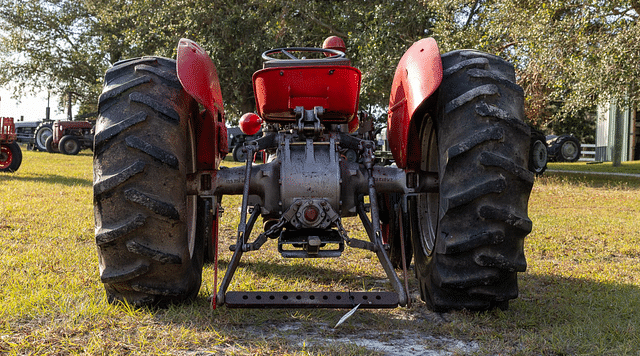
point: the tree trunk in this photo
(618, 137)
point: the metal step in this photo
(311, 299)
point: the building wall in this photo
(608, 115)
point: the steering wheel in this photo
(334, 54)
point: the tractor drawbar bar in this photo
(311, 299)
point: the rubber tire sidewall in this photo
(40, 142)
(16, 157)
(237, 153)
(476, 251)
(50, 146)
(63, 143)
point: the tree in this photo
(569, 52)
(49, 45)
(235, 33)
(70, 43)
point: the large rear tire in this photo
(468, 238)
(10, 157)
(149, 249)
(42, 133)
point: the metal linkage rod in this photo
(376, 233)
(242, 230)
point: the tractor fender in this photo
(199, 78)
(417, 77)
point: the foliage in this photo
(570, 54)
(49, 45)
(235, 33)
(574, 53)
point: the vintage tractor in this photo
(10, 153)
(457, 195)
(34, 133)
(70, 137)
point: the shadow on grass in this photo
(49, 179)
(553, 315)
(283, 270)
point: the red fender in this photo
(418, 75)
(199, 77)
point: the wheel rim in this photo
(43, 135)
(539, 155)
(70, 146)
(569, 150)
(5, 157)
(428, 203)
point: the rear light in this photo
(250, 123)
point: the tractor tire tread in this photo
(155, 152)
(106, 235)
(108, 183)
(484, 187)
(103, 137)
(141, 161)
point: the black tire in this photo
(69, 145)
(237, 153)
(149, 250)
(10, 157)
(468, 238)
(538, 153)
(50, 146)
(567, 149)
(42, 132)
(390, 225)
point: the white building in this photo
(614, 121)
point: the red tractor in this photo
(70, 137)
(10, 153)
(456, 197)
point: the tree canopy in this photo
(568, 54)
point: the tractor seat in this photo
(280, 89)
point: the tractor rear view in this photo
(456, 197)
(10, 153)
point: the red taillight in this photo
(250, 123)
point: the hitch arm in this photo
(375, 233)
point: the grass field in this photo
(580, 294)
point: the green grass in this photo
(580, 294)
(632, 167)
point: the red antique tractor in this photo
(456, 197)
(70, 137)
(10, 153)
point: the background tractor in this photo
(456, 196)
(236, 139)
(70, 137)
(10, 153)
(34, 134)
